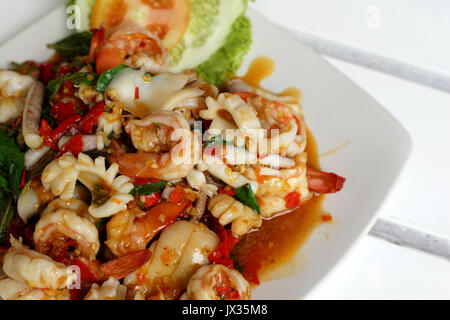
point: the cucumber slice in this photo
(85, 12)
(210, 23)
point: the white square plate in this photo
(336, 111)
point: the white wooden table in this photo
(398, 52)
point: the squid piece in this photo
(243, 114)
(110, 193)
(155, 93)
(229, 210)
(181, 249)
(60, 176)
(32, 115)
(197, 180)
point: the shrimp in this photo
(109, 290)
(15, 290)
(217, 282)
(132, 229)
(290, 139)
(324, 182)
(158, 156)
(34, 269)
(64, 224)
(134, 47)
(13, 92)
(275, 184)
(228, 210)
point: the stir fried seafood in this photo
(137, 182)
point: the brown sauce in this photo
(259, 69)
(295, 93)
(279, 239)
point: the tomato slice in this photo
(168, 19)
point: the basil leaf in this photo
(53, 86)
(77, 44)
(106, 77)
(148, 188)
(245, 195)
(12, 162)
(87, 78)
(11, 168)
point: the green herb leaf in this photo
(53, 87)
(77, 44)
(87, 78)
(11, 167)
(106, 77)
(148, 188)
(11, 162)
(245, 195)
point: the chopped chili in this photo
(51, 139)
(227, 190)
(74, 146)
(151, 200)
(292, 200)
(227, 241)
(177, 194)
(47, 73)
(23, 178)
(141, 181)
(91, 118)
(136, 93)
(62, 110)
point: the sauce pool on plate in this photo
(280, 237)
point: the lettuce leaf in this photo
(227, 60)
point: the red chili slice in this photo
(152, 199)
(228, 191)
(74, 146)
(91, 118)
(177, 194)
(292, 200)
